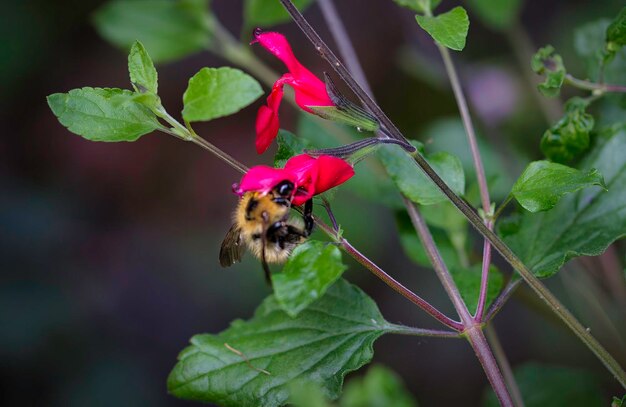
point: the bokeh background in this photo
(108, 252)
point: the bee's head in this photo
(285, 189)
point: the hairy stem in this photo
(507, 372)
(610, 362)
(501, 299)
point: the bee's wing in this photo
(232, 247)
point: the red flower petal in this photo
(262, 179)
(267, 123)
(332, 171)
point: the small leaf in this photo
(288, 146)
(103, 114)
(310, 270)
(543, 385)
(448, 29)
(616, 33)
(169, 29)
(332, 337)
(547, 62)
(497, 14)
(413, 183)
(217, 92)
(543, 183)
(380, 387)
(590, 45)
(617, 402)
(269, 12)
(143, 74)
(583, 223)
(569, 137)
(468, 282)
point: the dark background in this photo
(108, 252)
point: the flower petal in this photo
(262, 179)
(332, 171)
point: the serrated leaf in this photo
(581, 224)
(468, 282)
(380, 387)
(544, 385)
(265, 13)
(547, 62)
(310, 270)
(616, 32)
(103, 114)
(143, 74)
(332, 337)
(543, 183)
(569, 137)
(413, 183)
(288, 146)
(217, 92)
(170, 30)
(497, 14)
(448, 29)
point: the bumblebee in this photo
(262, 223)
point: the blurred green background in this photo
(108, 252)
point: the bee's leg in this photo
(307, 215)
(266, 268)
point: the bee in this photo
(262, 223)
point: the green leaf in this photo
(590, 45)
(468, 282)
(413, 183)
(569, 137)
(497, 14)
(332, 337)
(414, 249)
(547, 62)
(307, 394)
(143, 74)
(288, 146)
(616, 33)
(310, 270)
(581, 224)
(448, 29)
(217, 92)
(421, 6)
(169, 29)
(380, 387)
(103, 114)
(553, 386)
(269, 12)
(543, 183)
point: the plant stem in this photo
(594, 87)
(501, 299)
(507, 372)
(472, 331)
(480, 172)
(390, 281)
(407, 330)
(610, 363)
(501, 208)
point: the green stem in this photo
(503, 205)
(598, 88)
(472, 217)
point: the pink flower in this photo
(309, 89)
(310, 176)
